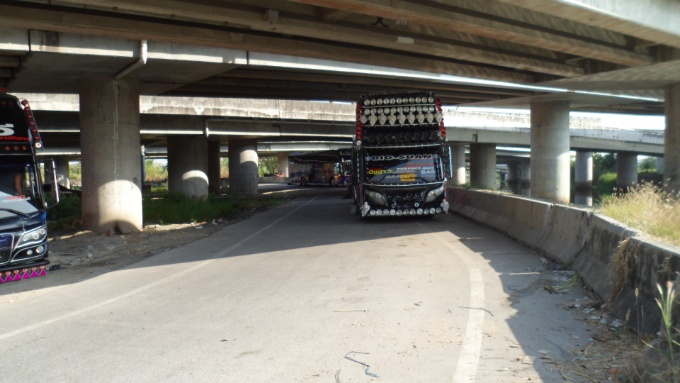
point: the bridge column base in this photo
(458, 164)
(188, 166)
(111, 155)
(550, 151)
(243, 166)
(583, 172)
(626, 170)
(671, 172)
(483, 166)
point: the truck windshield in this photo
(19, 193)
(402, 169)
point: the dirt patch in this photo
(79, 255)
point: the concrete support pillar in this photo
(525, 172)
(243, 163)
(283, 164)
(514, 176)
(188, 165)
(214, 179)
(111, 155)
(660, 165)
(483, 166)
(583, 171)
(550, 151)
(458, 164)
(626, 170)
(671, 172)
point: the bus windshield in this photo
(403, 168)
(19, 193)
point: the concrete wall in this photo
(613, 260)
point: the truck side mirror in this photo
(51, 174)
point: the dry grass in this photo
(648, 208)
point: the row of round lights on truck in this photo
(399, 100)
(405, 212)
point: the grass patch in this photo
(65, 215)
(648, 208)
(178, 208)
(606, 184)
(168, 207)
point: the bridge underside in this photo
(550, 56)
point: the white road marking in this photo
(468, 359)
(150, 285)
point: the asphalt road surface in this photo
(305, 292)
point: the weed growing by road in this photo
(648, 208)
(661, 362)
(179, 208)
(170, 207)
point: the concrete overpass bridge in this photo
(281, 127)
(548, 56)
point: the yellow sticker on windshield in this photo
(411, 177)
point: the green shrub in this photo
(606, 184)
(66, 214)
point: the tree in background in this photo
(604, 173)
(155, 172)
(647, 165)
(268, 166)
(224, 167)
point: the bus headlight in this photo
(434, 193)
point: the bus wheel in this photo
(303, 181)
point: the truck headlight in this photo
(36, 235)
(377, 198)
(434, 193)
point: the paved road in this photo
(304, 293)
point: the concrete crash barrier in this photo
(620, 265)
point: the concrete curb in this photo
(619, 264)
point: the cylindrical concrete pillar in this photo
(283, 164)
(188, 165)
(514, 176)
(214, 179)
(483, 166)
(660, 165)
(626, 170)
(550, 151)
(458, 164)
(243, 162)
(583, 171)
(111, 157)
(525, 172)
(671, 172)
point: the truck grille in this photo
(5, 248)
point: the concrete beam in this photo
(19, 16)
(649, 20)
(498, 29)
